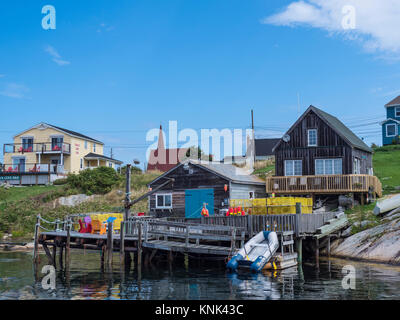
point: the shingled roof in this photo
(342, 130)
(264, 146)
(394, 102)
(74, 133)
(337, 126)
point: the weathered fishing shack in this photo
(319, 155)
(196, 183)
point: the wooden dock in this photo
(207, 237)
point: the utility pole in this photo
(111, 154)
(254, 141)
(127, 192)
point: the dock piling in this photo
(36, 244)
(122, 244)
(110, 244)
(139, 245)
(68, 246)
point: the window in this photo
(85, 144)
(357, 166)
(81, 163)
(56, 143)
(110, 164)
(94, 147)
(397, 112)
(391, 130)
(328, 166)
(293, 167)
(312, 137)
(163, 201)
(27, 144)
(251, 195)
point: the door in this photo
(19, 163)
(194, 200)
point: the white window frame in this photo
(86, 144)
(397, 112)
(395, 129)
(293, 165)
(356, 165)
(94, 147)
(164, 206)
(308, 137)
(324, 166)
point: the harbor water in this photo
(189, 279)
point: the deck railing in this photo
(299, 223)
(43, 147)
(31, 168)
(323, 184)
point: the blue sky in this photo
(115, 69)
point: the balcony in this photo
(38, 147)
(324, 184)
(31, 168)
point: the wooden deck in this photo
(323, 184)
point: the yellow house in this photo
(49, 150)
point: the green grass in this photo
(386, 161)
(19, 206)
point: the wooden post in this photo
(329, 246)
(317, 252)
(127, 192)
(55, 255)
(298, 213)
(122, 244)
(139, 244)
(187, 236)
(60, 256)
(109, 244)
(299, 249)
(233, 240)
(36, 244)
(68, 246)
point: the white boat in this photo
(256, 253)
(388, 204)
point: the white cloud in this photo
(105, 27)
(14, 90)
(377, 22)
(56, 56)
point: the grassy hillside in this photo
(19, 206)
(386, 161)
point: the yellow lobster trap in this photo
(277, 205)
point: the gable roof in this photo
(227, 171)
(394, 102)
(92, 155)
(336, 125)
(69, 132)
(264, 146)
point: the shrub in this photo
(61, 181)
(100, 180)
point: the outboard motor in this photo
(234, 262)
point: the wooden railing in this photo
(324, 184)
(299, 223)
(43, 147)
(158, 228)
(31, 168)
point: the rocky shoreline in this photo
(379, 244)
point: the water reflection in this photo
(193, 280)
